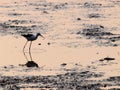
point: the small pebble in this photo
(63, 64)
(45, 12)
(101, 26)
(5, 67)
(115, 45)
(39, 44)
(78, 18)
(48, 43)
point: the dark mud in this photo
(82, 79)
(17, 27)
(68, 81)
(100, 33)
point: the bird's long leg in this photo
(25, 46)
(30, 50)
(24, 50)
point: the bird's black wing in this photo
(27, 35)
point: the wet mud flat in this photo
(95, 23)
(76, 78)
(68, 81)
(72, 24)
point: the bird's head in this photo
(39, 34)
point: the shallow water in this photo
(49, 58)
(57, 21)
(80, 34)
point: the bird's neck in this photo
(37, 35)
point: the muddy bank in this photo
(85, 78)
(68, 81)
(71, 80)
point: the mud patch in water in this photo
(100, 34)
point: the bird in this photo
(30, 37)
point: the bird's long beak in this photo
(42, 36)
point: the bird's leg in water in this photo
(24, 50)
(30, 50)
(25, 46)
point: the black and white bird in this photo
(31, 37)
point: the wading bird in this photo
(30, 37)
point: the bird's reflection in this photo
(25, 55)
